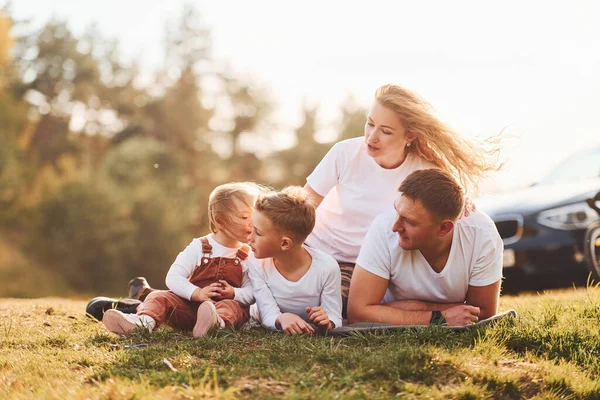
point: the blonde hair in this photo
(221, 206)
(289, 211)
(436, 142)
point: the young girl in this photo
(208, 282)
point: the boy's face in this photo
(241, 224)
(264, 239)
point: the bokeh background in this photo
(117, 118)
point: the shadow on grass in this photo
(258, 363)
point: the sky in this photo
(530, 68)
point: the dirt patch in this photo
(270, 385)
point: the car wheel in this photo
(592, 249)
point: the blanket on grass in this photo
(348, 330)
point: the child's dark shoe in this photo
(99, 305)
(139, 288)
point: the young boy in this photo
(297, 288)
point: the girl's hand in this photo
(207, 293)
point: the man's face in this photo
(264, 240)
(414, 225)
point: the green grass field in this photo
(50, 349)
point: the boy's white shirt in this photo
(185, 264)
(475, 259)
(275, 295)
(355, 190)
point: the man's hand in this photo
(319, 317)
(226, 291)
(207, 293)
(292, 324)
(461, 315)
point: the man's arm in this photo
(367, 291)
(417, 305)
(364, 302)
(486, 298)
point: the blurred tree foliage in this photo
(104, 172)
(12, 118)
(82, 234)
(292, 166)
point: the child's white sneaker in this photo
(207, 319)
(122, 324)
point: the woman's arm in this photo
(314, 197)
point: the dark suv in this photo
(543, 226)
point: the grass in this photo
(50, 349)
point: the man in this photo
(435, 267)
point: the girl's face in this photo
(241, 222)
(385, 136)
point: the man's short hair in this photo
(289, 211)
(437, 190)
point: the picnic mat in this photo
(364, 327)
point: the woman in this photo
(359, 177)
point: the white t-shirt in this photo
(475, 259)
(355, 190)
(275, 295)
(186, 262)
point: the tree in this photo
(146, 179)
(12, 117)
(353, 119)
(81, 235)
(292, 166)
(6, 44)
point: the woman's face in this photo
(385, 136)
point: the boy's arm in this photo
(245, 293)
(267, 306)
(177, 279)
(331, 296)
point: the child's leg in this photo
(233, 313)
(165, 307)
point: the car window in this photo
(578, 167)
